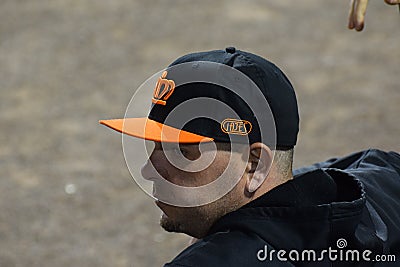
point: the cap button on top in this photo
(230, 50)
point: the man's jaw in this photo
(162, 206)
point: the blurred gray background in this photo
(66, 196)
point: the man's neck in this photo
(273, 180)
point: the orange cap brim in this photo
(148, 129)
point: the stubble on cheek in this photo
(196, 221)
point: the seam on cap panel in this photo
(259, 74)
(229, 59)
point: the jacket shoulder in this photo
(371, 158)
(231, 248)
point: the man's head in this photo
(259, 170)
(224, 124)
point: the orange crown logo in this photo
(164, 89)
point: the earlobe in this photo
(254, 182)
(260, 160)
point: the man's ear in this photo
(259, 164)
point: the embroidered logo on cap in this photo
(234, 126)
(164, 89)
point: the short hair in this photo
(283, 157)
(283, 160)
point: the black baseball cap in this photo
(205, 120)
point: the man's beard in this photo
(170, 225)
(196, 222)
(192, 225)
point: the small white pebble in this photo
(70, 189)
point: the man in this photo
(343, 212)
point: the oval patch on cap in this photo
(234, 126)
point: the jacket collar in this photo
(322, 194)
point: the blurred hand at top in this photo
(357, 13)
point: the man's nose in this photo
(149, 172)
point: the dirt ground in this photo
(66, 196)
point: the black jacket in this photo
(350, 203)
